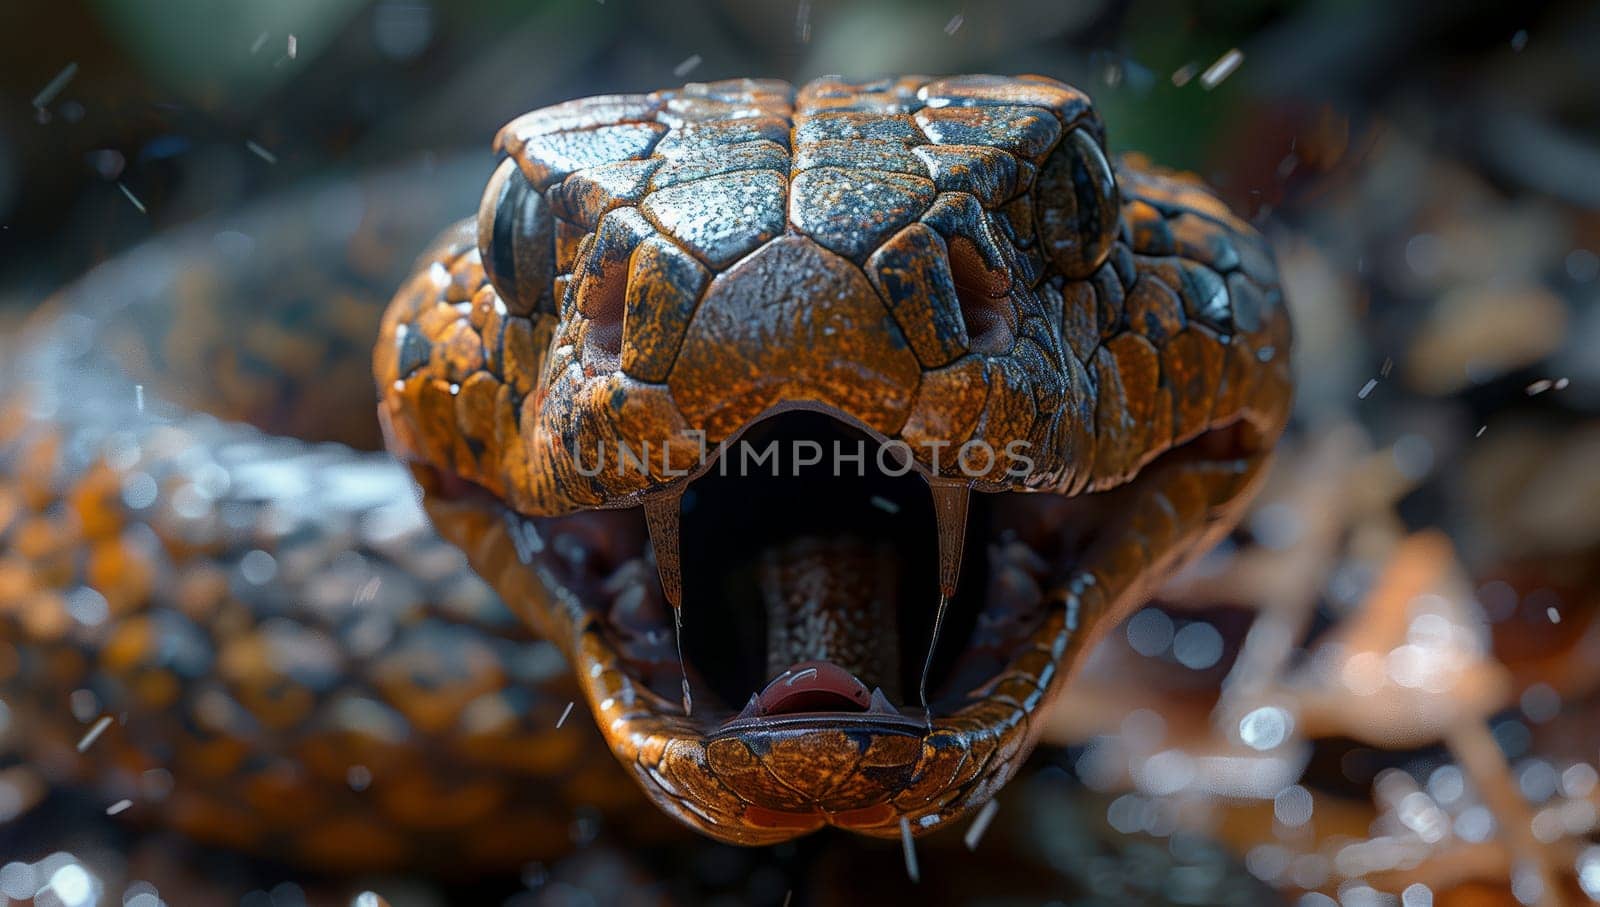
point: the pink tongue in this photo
(814, 686)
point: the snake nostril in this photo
(601, 300)
(985, 297)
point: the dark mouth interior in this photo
(737, 514)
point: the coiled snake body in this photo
(293, 663)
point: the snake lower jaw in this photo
(1044, 576)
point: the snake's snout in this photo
(792, 323)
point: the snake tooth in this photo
(661, 516)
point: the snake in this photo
(801, 440)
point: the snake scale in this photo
(202, 551)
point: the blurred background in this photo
(1396, 652)
(191, 107)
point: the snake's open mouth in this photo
(811, 588)
(824, 677)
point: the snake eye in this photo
(1077, 203)
(515, 241)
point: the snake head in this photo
(825, 429)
